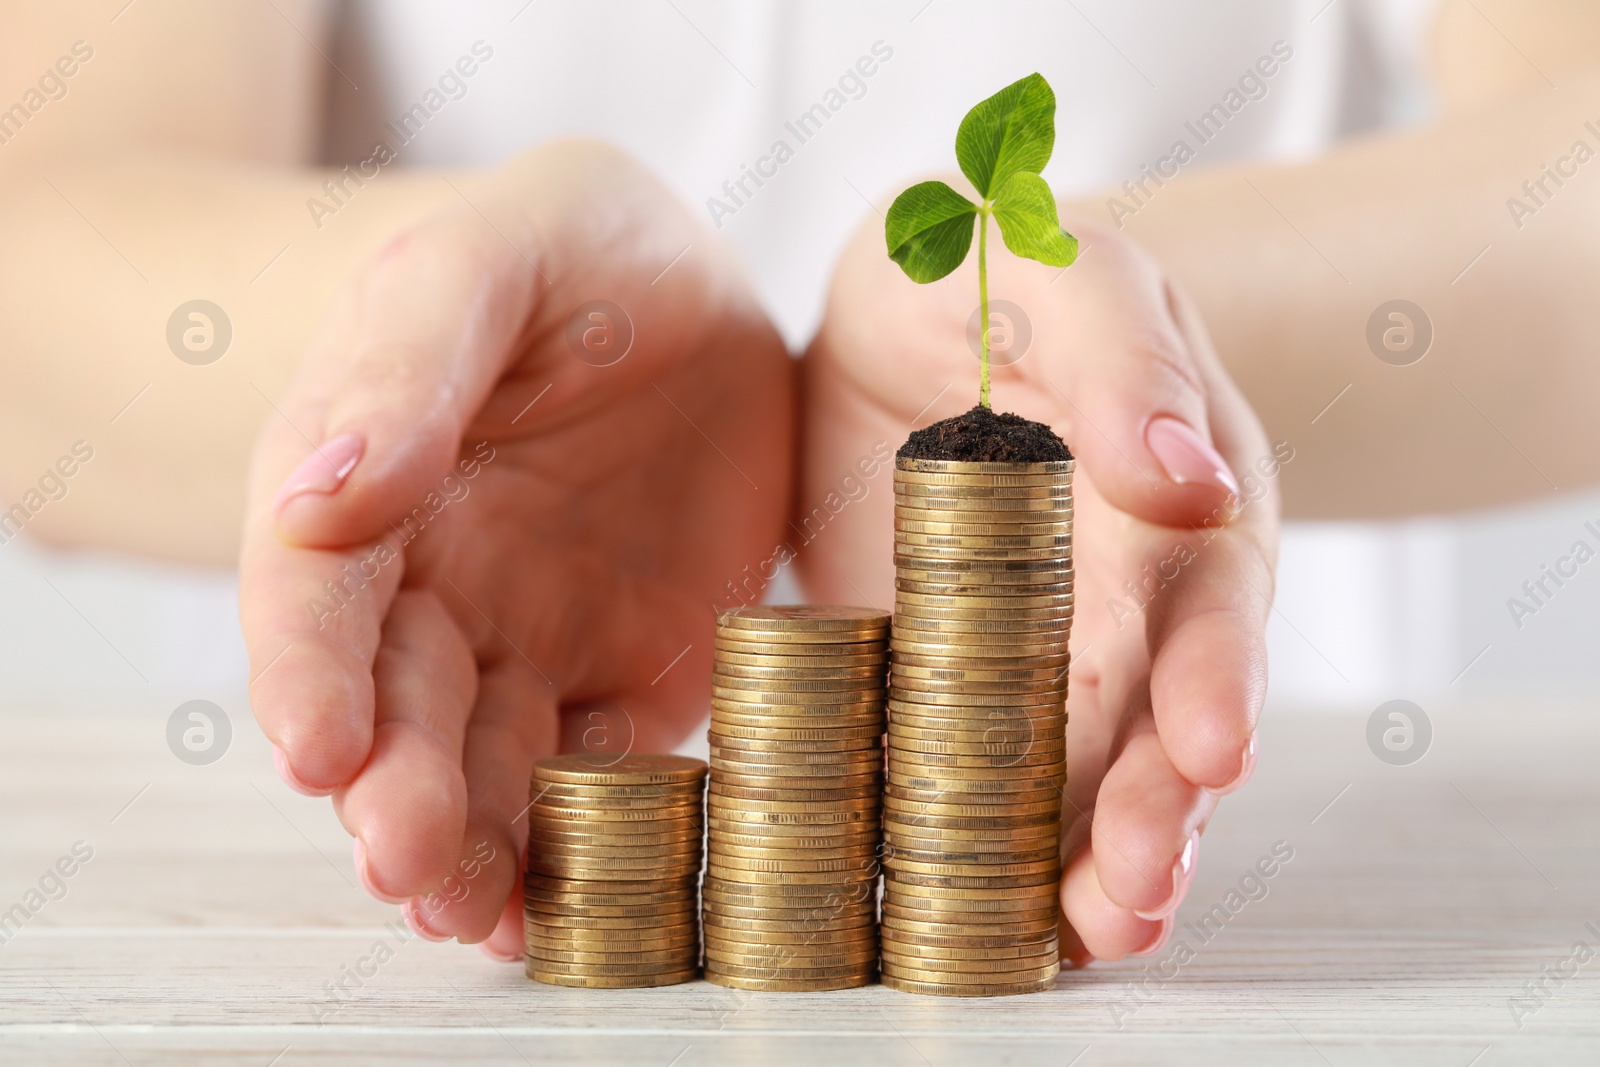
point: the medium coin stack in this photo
(614, 845)
(977, 726)
(792, 831)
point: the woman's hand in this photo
(1174, 493)
(493, 521)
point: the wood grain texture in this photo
(218, 908)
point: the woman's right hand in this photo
(540, 500)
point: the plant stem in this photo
(983, 304)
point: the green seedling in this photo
(1001, 145)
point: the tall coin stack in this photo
(790, 893)
(977, 726)
(614, 849)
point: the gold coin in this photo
(802, 735)
(795, 813)
(829, 915)
(1060, 539)
(1003, 751)
(952, 884)
(751, 744)
(964, 869)
(610, 970)
(561, 834)
(994, 755)
(792, 931)
(660, 792)
(751, 776)
(728, 642)
(1050, 627)
(577, 887)
(922, 603)
(1048, 613)
(789, 753)
(947, 692)
(589, 981)
(1028, 641)
(948, 584)
(922, 477)
(783, 696)
(914, 769)
(978, 912)
(969, 468)
(800, 794)
(902, 832)
(635, 819)
(559, 930)
(795, 844)
(1030, 973)
(967, 935)
(841, 675)
(732, 858)
(903, 850)
(729, 713)
(869, 871)
(532, 904)
(1051, 954)
(969, 653)
(783, 895)
(905, 487)
(769, 970)
(934, 989)
(558, 853)
(995, 738)
(753, 678)
(973, 816)
(669, 805)
(824, 661)
(653, 958)
(1025, 525)
(940, 558)
(632, 769)
(802, 956)
(621, 868)
(791, 985)
(669, 896)
(800, 619)
(912, 951)
(974, 898)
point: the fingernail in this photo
(324, 471)
(419, 925)
(290, 779)
(1248, 767)
(1155, 943)
(494, 953)
(1187, 458)
(365, 875)
(1182, 873)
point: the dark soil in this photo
(985, 436)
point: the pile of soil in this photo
(985, 436)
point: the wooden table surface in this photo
(1429, 915)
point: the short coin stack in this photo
(977, 726)
(614, 848)
(797, 718)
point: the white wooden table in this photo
(217, 905)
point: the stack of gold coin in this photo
(792, 830)
(977, 726)
(614, 847)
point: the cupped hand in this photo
(491, 518)
(1174, 544)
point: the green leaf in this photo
(1026, 211)
(929, 229)
(1014, 130)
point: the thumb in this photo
(405, 359)
(1133, 390)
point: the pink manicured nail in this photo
(419, 925)
(280, 761)
(324, 471)
(1182, 874)
(1246, 770)
(1157, 941)
(1187, 458)
(365, 874)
